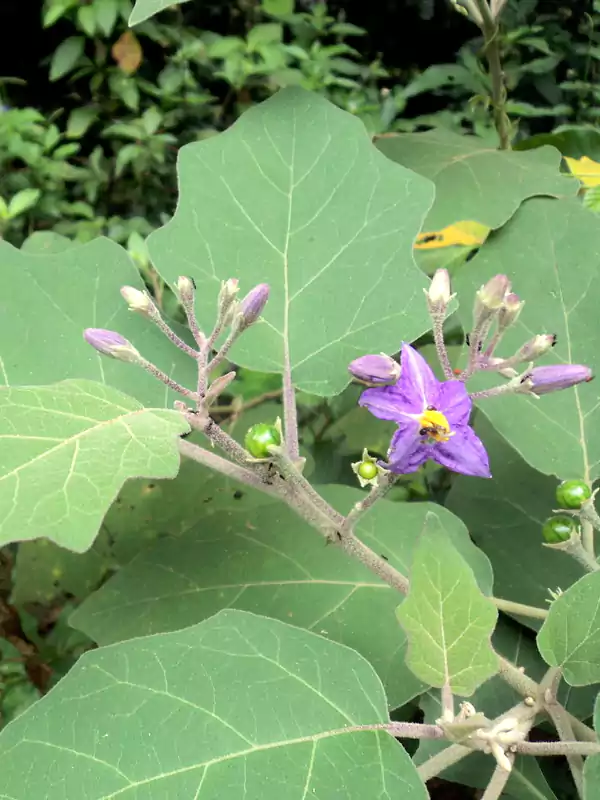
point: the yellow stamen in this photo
(435, 424)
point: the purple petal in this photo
(407, 450)
(387, 402)
(417, 382)
(454, 402)
(463, 452)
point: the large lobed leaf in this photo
(49, 298)
(236, 706)
(570, 636)
(550, 251)
(295, 195)
(447, 619)
(474, 181)
(65, 452)
(270, 562)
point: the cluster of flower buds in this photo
(238, 316)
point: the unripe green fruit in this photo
(259, 438)
(558, 529)
(571, 494)
(367, 470)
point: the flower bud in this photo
(112, 344)
(139, 301)
(439, 295)
(492, 294)
(509, 313)
(186, 289)
(252, 305)
(229, 289)
(379, 369)
(552, 378)
(536, 347)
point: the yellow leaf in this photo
(585, 169)
(127, 52)
(464, 233)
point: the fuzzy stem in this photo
(441, 761)
(440, 346)
(575, 548)
(447, 702)
(587, 538)
(190, 313)
(384, 484)
(164, 378)
(559, 717)
(477, 339)
(220, 356)
(506, 388)
(290, 413)
(521, 609)
(357, 549)
(497, 782)
(171, 335)
(558, 748)
(401, 730)
(490, 31)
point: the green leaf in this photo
(278, 8)
(269, 561)
(57, 295)
(23, 201)
(106, 15)
(473, 181)
(574, 141)
(86, 17)
(570, 636)
(144, 512)
(42, 242)
(80, 120)
(447, 619)
(66, 56)
(545, 251)
(591, 769)
(505, 516)
(144, 9)
(226, 707)
(296, 186)
(66, 451)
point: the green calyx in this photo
(571, 494)
(558, 529)
(259, 438)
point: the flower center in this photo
(434, 425)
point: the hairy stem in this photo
(384, 484)
(561, 722)
(521, 609)
(164, 378)
(290, 413)
(223, 351)
(441, 349)
(587, 538)
(497, 782)
(359, 550)
(554, 749)
(172, 336)
(441, 761)
(490, 31)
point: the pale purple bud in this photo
(492, 294)
(186, 289)
(536, 347)
(253, 304)
(112, 344)
(509, 313)
(380, 370)
(139, 301)
(554, 377)
(439, 294)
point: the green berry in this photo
(367, 470)
(258, 439)
(558, 529)
(571, 494)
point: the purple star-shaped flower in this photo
(432, 417)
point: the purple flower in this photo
(375, 369)
(112, 344)
(432, 418)
(553, 377)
